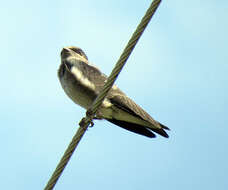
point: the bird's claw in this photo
(83, 123)
(91, 124)
(89, 113)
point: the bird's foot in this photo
(89, 113)
(91, 124)
(83, 123)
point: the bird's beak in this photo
(65, 49)
(65, 53)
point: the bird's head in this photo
(68, 54)
(72, 51)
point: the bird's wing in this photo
(90, 76)
(118, 98)
(97, 77)
(126, 104)
(94, 75)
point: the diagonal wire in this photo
(85, 122)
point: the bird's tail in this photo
(140, 129)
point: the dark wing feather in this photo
(125, 103)
(133, 127)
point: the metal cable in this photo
(125, 55)
(85, 122)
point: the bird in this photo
(82, 82)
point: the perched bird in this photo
(82, 82)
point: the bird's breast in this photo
(79, 93)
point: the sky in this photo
(177, 73)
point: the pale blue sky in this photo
(177, 72)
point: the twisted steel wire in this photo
(125, 55)
(84, 123)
